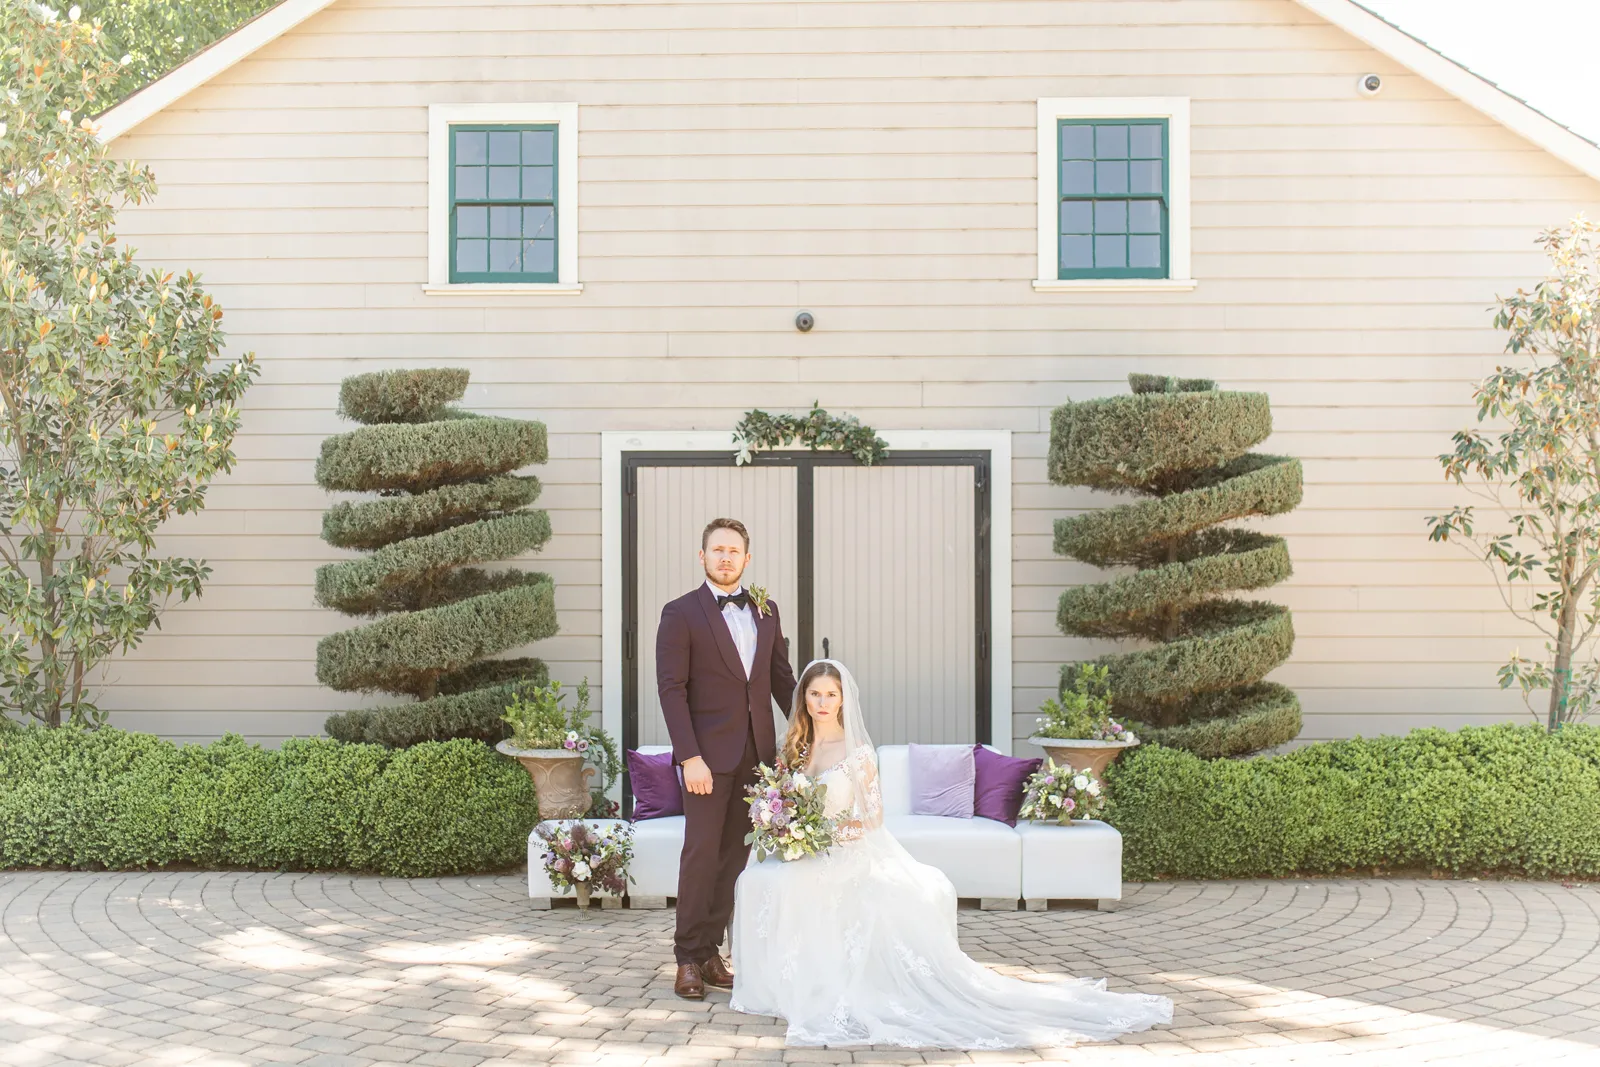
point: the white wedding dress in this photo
(858, 946)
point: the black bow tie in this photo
(740, 599)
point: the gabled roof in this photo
(1360, 23)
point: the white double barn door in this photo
(878, 567)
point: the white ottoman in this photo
(540, 891)
(657, 847)
(1082, 861)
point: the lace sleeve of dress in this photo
(866, 804)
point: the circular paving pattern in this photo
(234, 968)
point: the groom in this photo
(720, 662)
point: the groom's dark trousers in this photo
(714, 711)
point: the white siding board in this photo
(871, 161)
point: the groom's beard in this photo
(717, 578)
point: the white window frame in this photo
(1175, 109)
(440, 118)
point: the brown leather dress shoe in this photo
(715, 972)
(688, 983)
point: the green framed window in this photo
(1113, 216)
(503, 203)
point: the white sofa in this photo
(987, 860)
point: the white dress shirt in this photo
(742, 624)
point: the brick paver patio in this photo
(240, 968)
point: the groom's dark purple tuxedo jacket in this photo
(709, 705)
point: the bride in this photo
(858, 946)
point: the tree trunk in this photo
(49, 653)
(1169, 630)
(1561, 674)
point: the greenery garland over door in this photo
(815, 429)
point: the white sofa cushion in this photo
(894, 778)
(981, 857)
(1078, 862)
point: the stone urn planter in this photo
(1081, 754)
(560, 779)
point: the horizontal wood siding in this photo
(871, 161)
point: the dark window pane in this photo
(471, 183)
(1111, 251)
(1077, 142)
(505, 256)
(1144, 251)
(538, 183)
(1144, 216)
(538, 146)
(1077, 216)
(539, 256)
(472, 255)
(1144, 142)
(1111, 177)
(1077, 177)
(538, 222)
(1111, 216)
(472, 146)
(472, 222)
(503, 184)
(1077, 253)
(1111, 142)
(504, 147)
(1145, 176)
(505, 222)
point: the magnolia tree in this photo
(115, 408)
(157, 35)
(1538, 466)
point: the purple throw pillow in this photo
(941, 780)
(655, 782)
(997, 792)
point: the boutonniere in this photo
(758, 597)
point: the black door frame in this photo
(805, 464)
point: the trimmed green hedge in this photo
(109, 799)
(1496, 799)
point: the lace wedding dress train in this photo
(858, 946)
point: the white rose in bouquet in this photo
(580, 871)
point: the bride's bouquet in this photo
(786, 816)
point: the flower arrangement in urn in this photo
(1060, 795)
(1078, 731)
(576, 856)
(786, 816)
(557, 747)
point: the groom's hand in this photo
(696, 776)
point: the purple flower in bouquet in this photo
(780, 820)
(583, 746)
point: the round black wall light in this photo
(804, 321)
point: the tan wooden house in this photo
(614, 213)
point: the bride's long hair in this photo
(802, 728)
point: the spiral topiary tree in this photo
(447, 501)
(1198, 685)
